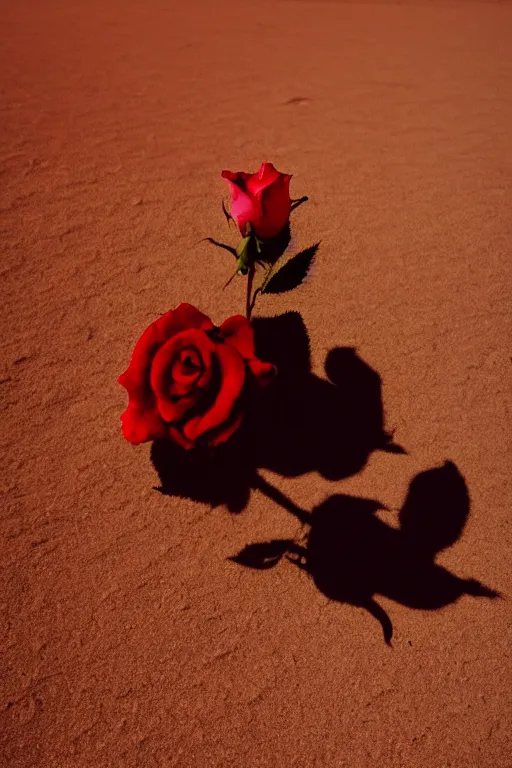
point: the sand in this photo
(128, 637)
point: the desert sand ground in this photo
(129, 638)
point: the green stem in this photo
(254, 297)
(250, 279)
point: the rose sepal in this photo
(245, 254)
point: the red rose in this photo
(261, 199)
(187, 380)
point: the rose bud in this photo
(190, 381)
(260, 200)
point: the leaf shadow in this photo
(331, 425)
(352, 555)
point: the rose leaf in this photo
(293, 273)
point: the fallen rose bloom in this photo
(189, 380)
(261, 200)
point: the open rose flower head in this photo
(260, 199)
(189, 381)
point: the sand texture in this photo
(129, 638)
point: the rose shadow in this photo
(301, 423)
(306, 423)
(351, 555)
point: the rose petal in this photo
(189, 317)
(232, 377)
(266, 175)
(276, 206)
(244, 208)
(262, 372)
(183, 376)
(160, 375)
(238, 332)
(225, 434)
(189, 362)
(236, 176)
(142, 424)
(136, 377)
(178, 437)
